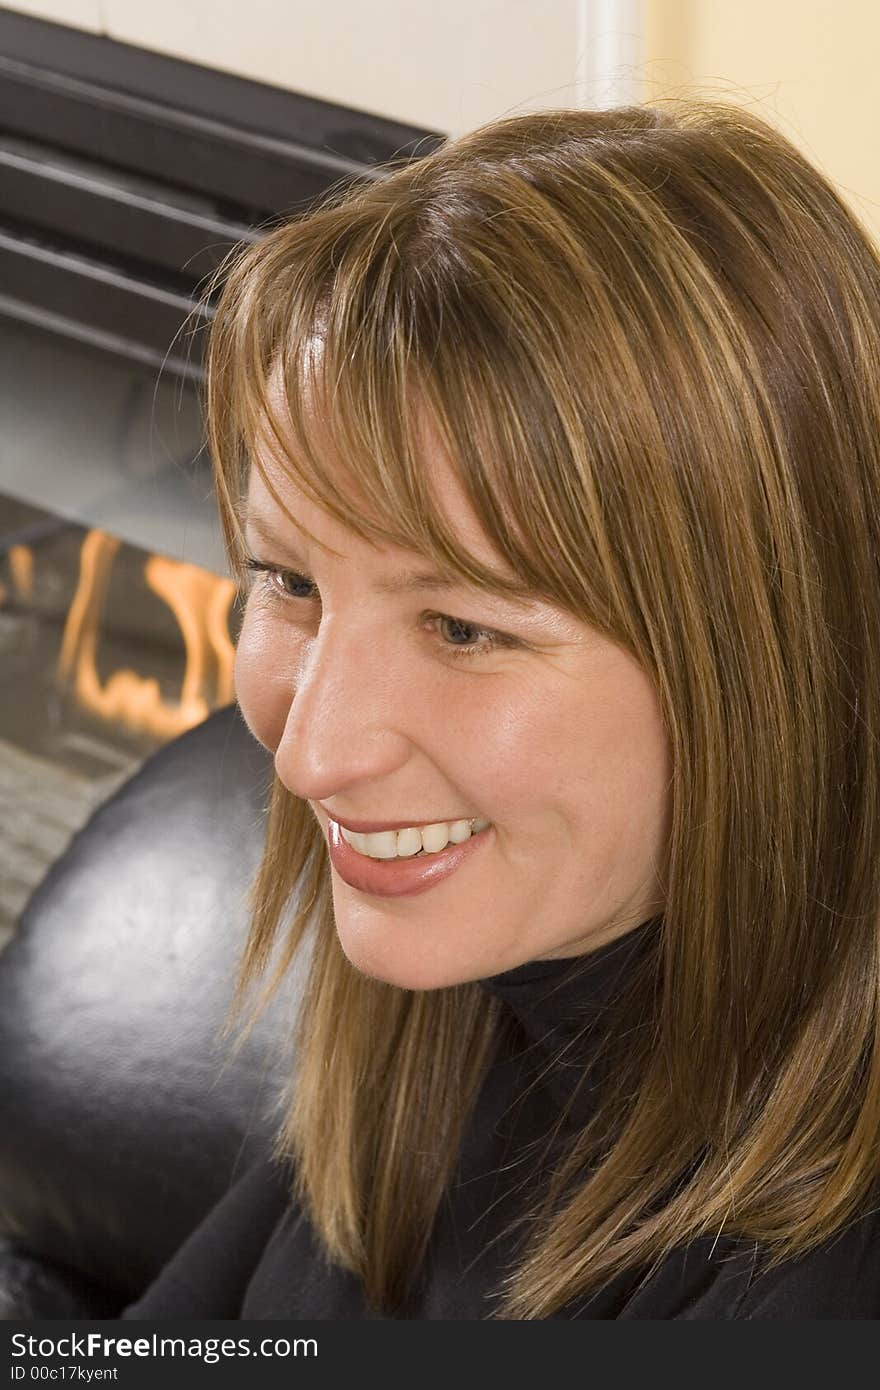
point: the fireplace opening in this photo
(107, 650)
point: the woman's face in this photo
(373, 714)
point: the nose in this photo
(344, 725)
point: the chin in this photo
(406, 970)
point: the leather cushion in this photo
(125, 1114)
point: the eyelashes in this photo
(268, 570)
(275, 578)
(491, 640)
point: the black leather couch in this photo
(125, 1114)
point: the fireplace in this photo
(125, 178)
(107, 650)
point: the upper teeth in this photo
(402, 844)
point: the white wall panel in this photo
(447, 66)
(82, 14)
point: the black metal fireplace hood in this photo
(126, 176)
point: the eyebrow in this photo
(404, 582)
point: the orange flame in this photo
(199, 601)
(21, 568)
(21, 565)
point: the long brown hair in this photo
(648, 339)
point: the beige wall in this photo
(808, 65)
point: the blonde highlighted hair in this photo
(648, 339)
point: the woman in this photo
(581, 829)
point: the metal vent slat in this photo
(126, 177)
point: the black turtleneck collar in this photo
(561, 1005)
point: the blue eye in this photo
(484, 641)
(288, 581)
(479, 641)
(284, 576)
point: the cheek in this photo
(262, 690)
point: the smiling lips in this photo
(388, 869)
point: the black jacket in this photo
(256, 1255)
